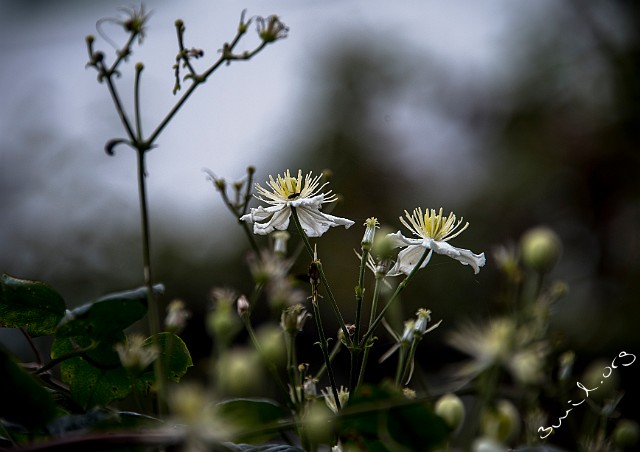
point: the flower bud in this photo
(317, 423)
(271, 28)
(280, 239)
(293, 319)
(383, 248)
(566, 361)
(242, 306)
(369, 233)
(450, 408)
(271, 344)
(502, 422)
(626, 434)
(136, 355)
(177, 316)
(594, 377)
(239, 372)
(541, 248)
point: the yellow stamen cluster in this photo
(432, 225)
(286, 188)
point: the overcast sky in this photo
(55, 117)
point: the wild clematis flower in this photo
(433, 231)
(287, 192)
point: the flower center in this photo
(432, 225)
(285, 188)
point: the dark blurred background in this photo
(542, 130)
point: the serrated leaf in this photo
(175, 357)
(22, 399)
(249, 415)
(107, 315)
(28, 304)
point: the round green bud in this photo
(317, 423)
(271, 344)
(239, 372)
(626, 434)
(599, 374)
(450, 408)
(541, 248)
(502, 422)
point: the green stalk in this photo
(367, 347)
(395, 295)
(323, 278)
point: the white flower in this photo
(287, 192)
(434, 231)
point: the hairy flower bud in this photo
(541, 248)
(626, 434)
(177, 316)
(369, 233)
(135, 355)
(293, 319)
(450, 408)
(502, 422)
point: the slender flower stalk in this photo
(323, 278)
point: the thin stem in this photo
(152, 306)
(395, 295)
(367, 347)
(292, 371)
(325, 354)
(118, 103)
(332, 355)
(359, 297)
(72, 354)
(136, 102)
(402, 358)
(197, 80)
(323, 278)
(360, 291)
(32, 345)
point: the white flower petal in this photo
(466, 257)
(315, 223)
(407, 260)
(314, 203)
(267, 220)
(397, 240)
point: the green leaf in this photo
(107, 315)
(32, 305)
(382, 419)
(22, 399)
(175, 358)
(96, 377)
(252, 416)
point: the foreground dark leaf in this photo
(22, 399)
(31, 305)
